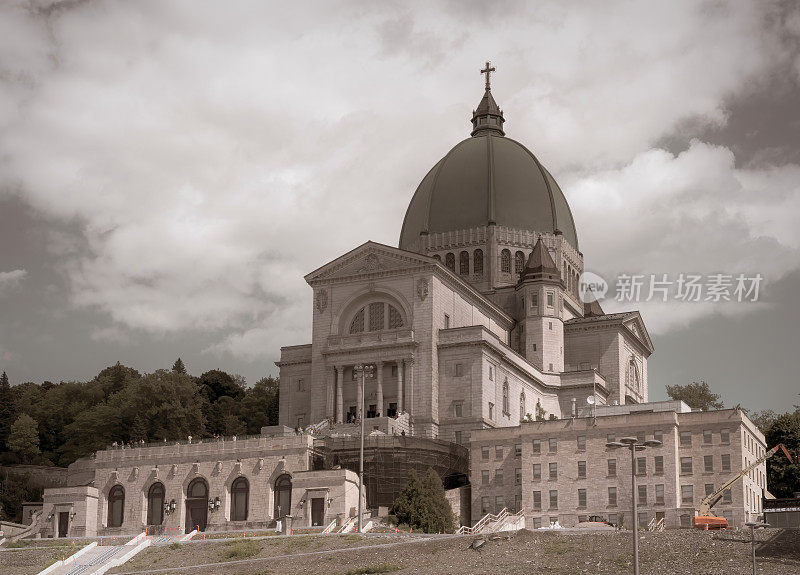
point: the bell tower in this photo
(542, 317)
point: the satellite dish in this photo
(590, 400)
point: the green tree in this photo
(696, 395)
(13, 491)
(423, 505)
(541, 413)
(259, 407)
(763, 419)
(783, 477)
(8, 410)
(178, 367)
(24, 438)
(115, 377)
(215, 383)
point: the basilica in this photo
(473, 353)
(475, 321)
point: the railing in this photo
(347, 526)
(331, 526)
(656, 525)
(478, 527)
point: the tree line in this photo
(56, 424)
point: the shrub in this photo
(423, 505)
(240, 549)
(382, 568)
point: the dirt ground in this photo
(30, 560)
(556, 553)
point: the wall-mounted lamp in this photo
(214, 504)
(301, 503)
(330, 501)
(50, 517)
(72, 515)
(169, 506)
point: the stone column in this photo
(379, 383)
(399, 386)
(330, 396)
(339, 396)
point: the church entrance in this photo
(196, 505)
(317, 511)
(283, 496)
(63, 523)
(155, 504)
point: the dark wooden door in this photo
(63, 523)
(196, 515)
(317, 511)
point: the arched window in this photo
(505, 396)
(240, 492)
(437, 257)
(450, 261)
(633, 375)
(155, 504)
(522, 407)
(196, 505)
(505, 261)
(477, 262)
(283, 495)
(463, 263)
(376, 316)
(519, 262)
(116, 506)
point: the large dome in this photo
(486, 179)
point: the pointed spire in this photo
(488, 117)
(540, 264)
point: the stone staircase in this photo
(492, 523)
(96, 559)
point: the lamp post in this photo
(633, 444)
(363, 372)
(752, 525)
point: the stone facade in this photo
(560, 470)
(264, 462)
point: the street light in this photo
(633, 444)
(363, 372)
(752, 525)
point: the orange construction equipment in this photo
(705, 519)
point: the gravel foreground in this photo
(555, 553)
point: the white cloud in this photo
(214, 154)
(694, 213)
(11, 280)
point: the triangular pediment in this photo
(368, 259)
(636, 327)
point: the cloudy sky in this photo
(170, 170)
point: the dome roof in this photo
(485, 179)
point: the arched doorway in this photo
(283, 495)
(116, 506)
(155, 504)
(196, 505)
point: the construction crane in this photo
(704, 518)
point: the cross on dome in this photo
(488, 70)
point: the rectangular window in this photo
(498, 476)
(484, 505)
(553, 471)
(611, 438)
(534, 300)
(537, 499)
(484, 477)
(659, 464)
(301, 420)
(517, 502)
(498, 452)
(612, 495)
(686, 521)
(553, 444)
(459, 408)
(458, 437)
(518, 450)
(658, 435)
(499, 503)
(708, 437)
(394, 371)
(660, 494)
(491, 373)
(553, 499)
(612, 467)
(459, 370)
(581, 469)
(491, 410)
(581, 498)
(537, 522)
(376, 317)
(641, 436)
(709, 488)
(686, 438)
(301, 385)
(485, 453)
(550, 299)
(725, 436)
(687, 495)
(642, 518)
(612, 518)
(726, 496)
(537, 471)
(517, 476)
(708, 463)
(553, 520)
(641, 466)
(686, 465)
(726, 462)
(642, 495)
(537, 446)
(581, 443)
